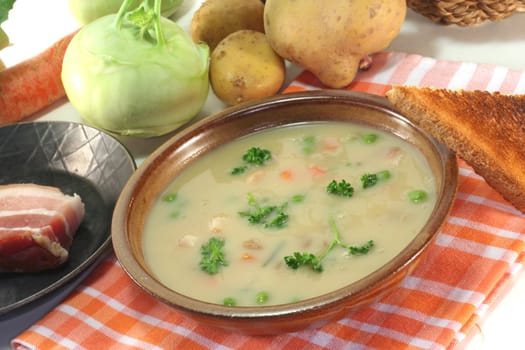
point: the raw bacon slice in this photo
(37, 226)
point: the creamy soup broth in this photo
(206, 200)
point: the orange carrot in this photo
(317, 171)
(33, 84)
(247, 257)
(286, 175)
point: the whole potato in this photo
(329, 38)
(216, 19)
(244, 67)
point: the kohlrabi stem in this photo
(146, 17)
(336, 239)
(158, 29)
(121, 12)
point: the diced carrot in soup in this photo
(286, 175)
(247, 257)
(316, 170)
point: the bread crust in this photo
(485, 129)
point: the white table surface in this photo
(34, 25)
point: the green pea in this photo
(417, 196)
(309, 144)
(261, 298)
(170, 197)
(298, 198)
(369, 138)
(384, 175)
(229, 301)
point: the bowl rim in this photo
(400, 261)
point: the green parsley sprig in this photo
(371, 179)
(362, 249)
(341, 188)
(270, 216)
(213, 256)
(298, 259)
(255, 156)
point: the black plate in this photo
(77, 159)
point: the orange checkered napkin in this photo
(478, 251)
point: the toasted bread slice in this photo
(485, 129)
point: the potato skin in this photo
(329, 38)
(244, 67)
(216, 19)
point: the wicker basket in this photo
(466, 12)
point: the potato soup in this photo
(288, 213)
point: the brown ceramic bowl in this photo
(159, 169)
